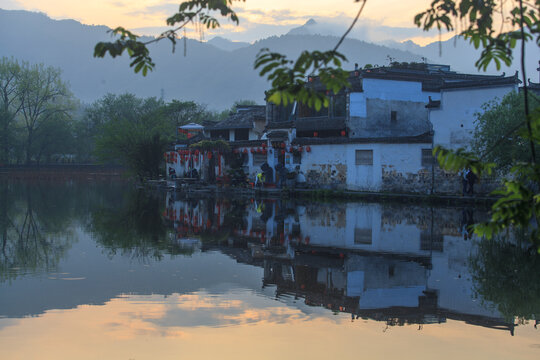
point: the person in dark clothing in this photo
(471, 179)
(464, 182)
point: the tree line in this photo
(41, 122)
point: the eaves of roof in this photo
(418, 139)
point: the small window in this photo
(364, 157)
(259, 159)
(297, 158)
(427, 158)
(431, 242)
(362, 236)
(241, 134)
(393, 117)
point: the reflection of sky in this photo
(94, 278)
(241, 324)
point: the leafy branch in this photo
(290, 79)
(188, 12)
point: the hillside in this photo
(207, 74)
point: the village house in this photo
(376, 135)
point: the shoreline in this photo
(325, 194)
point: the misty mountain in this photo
(462, 55)
(226, 44)
(457, 52)
(213, 73)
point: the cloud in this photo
(11, 5)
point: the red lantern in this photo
(209, 155)
(300, 149)
(315, 134)
(264, 145)
(252, 150)
(283, 145)
(308, 148)
(245, 151)
(343, 132)
(282, 152)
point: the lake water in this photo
(100, 270)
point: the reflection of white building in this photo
(358, 258)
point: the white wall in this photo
(387, 90)
(453, 122)
(403, 158)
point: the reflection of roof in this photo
(242, 119)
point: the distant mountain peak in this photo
(306, 29)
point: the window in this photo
(241, 134)
(364, 157)
(362, 236)
(393, 117)
(259, 159)
(434, 242)
(339, 105)
(297, 157)
(427, 158)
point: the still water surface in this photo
(99, 270)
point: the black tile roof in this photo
(435, 80)
(242, 119)
(317, 123)
(418, 139)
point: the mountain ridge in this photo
(208, 74)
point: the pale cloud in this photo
(381, 21)
(11, 5)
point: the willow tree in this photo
(42, 95)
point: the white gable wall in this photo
(387, 90)
(453, 121)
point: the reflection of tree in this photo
(34, 235)
(133, 226)
(507, 276)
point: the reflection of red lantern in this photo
(300, 149)
(252, 150)
(282, 152)
(315, 134)
(245, 151)
(209, 155)
(264, 145)
(308, 148)
(343, 133)
(235, 151)
(283, 145)
(264, 151)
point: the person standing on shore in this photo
(464, 181)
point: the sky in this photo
(380, 21)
